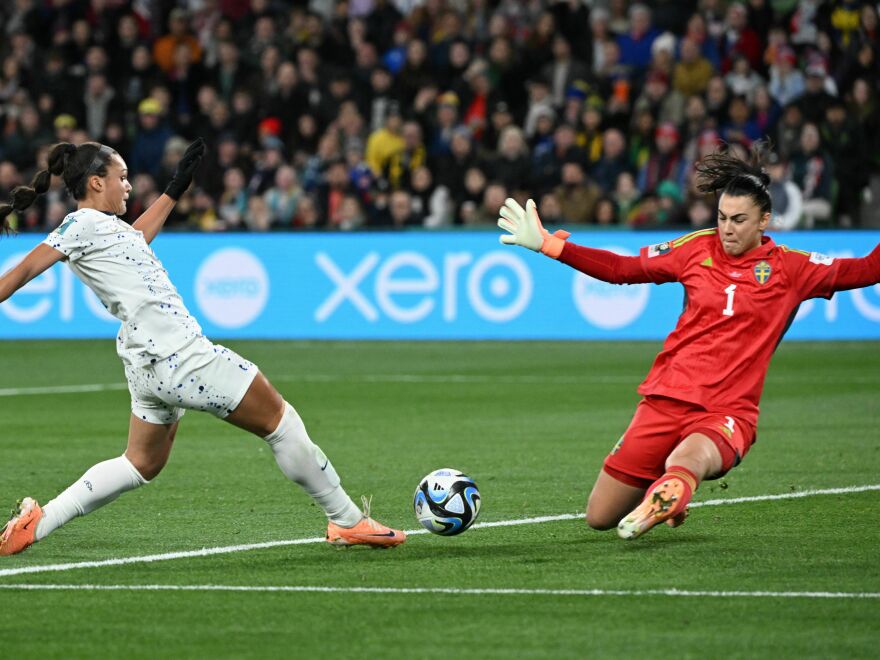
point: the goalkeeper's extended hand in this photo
(524, 228)
(186, 167)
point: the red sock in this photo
(686, 477)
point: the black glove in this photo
(186, 166)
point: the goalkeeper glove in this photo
(525, 229)
(186, 167)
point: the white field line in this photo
(206, 552)
(607, 379)
(445, 590)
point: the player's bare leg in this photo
(264, 412)
(610, 500)
(696, 458)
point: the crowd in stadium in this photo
(429, 113)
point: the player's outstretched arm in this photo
(524, 228)
(152, 220)
(858, 272)
(35, 262)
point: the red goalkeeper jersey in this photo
(736, 310)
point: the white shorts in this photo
(202, 376)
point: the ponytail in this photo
(23, 197)
(74, 163)
(724, 172)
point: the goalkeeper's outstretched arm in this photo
(524, 228)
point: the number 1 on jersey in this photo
(728, 311)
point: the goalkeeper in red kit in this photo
(699, 410)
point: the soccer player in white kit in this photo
(169, 364)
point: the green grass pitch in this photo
(531, 423)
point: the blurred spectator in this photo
(786, 82)
(641, 139)
(540, 104)
(548, 158)
(563, 70)
(461, 157)
(862, 107)
(812, 171)
(268, 160)
(550, 211)
(845, 144)
(512, 165)
(282, 199)
(765, 111)
(697, 32)
(635, 44)
(742, 80)
(613, 162)
(600, 35)
(606, 212)
(385, 142)
(233, 204)
(25, 132)
(402, 163)
(589, 135)
(334, 187)
(178, 34)
(400, 212)
(717, 98)
(415, 73)
(538, 50)
(351, 213)
(739, 38)
(308, 214)
(785, 196)
(230, 73)
(700, 214)
(664, 103)
(487, 211)
(500, 117)
(432, 204)
(577, 194)
(665, 162)
(258, 216)
(816, 97)
(693, 71)
(788, 131)
(150, 139)
(739, 127)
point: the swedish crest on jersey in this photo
(763, 270)
(659, 248)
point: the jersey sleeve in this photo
(820, 276)
(72, 236)
(665, 262)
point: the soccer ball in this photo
(447, 502)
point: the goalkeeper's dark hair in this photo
(724, 172)
(75, 164)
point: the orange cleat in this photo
(367, 532)
(21, 530)
(659, 505)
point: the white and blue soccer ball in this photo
(447, 502)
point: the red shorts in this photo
(659, 425)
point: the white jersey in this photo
(113, 260)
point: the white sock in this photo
(303, 462)
(100, 485)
